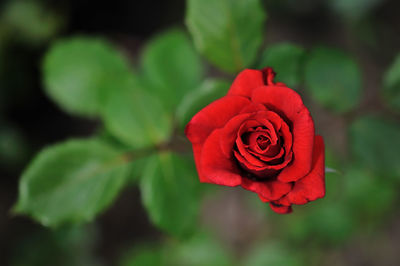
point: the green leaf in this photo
(135, 117)
(71, 182)
(31, 21)
(391, 85)
(138, 158)
(285, 59)
(14, 149)
(371, 195)
(194, 101)
(228, 32)
(325, 221)
(375, 143)
(144, 255)
(169, 189)
(353, 9)
(272, 254)
(171, 66)
(199, 250)
(66, 246)
(328, 222)
(79, 71)
(333, 79)
(4, 39)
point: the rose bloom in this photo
(260, 136)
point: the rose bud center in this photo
(263, 142)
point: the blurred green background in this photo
(342, 56)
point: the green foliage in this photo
(325, 221)
(137, 159)
(391, 84)
(14, 149)
(4, 34)
(371, 195)
(171, 67)
(332, 161)
(71, 182)
(228, 32)
(210, 90)
(200, 250)
(329, 224)
(353, 9)
(333, 79)
(169, 188)
(285, 59)
(135, 117)
(31, 21)
(272, 254)
(63, 247)
(375, 143)
(144, 255)
(80, 71)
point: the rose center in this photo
(263, 142)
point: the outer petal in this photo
(280, 99)
(281, 209)
(246, 82)
(289, 105)
(312, 186)
(270, 190)
(213, 116)
(229, 133)
(283, 201)
(197, 148)
(281, 206)
(254, 107)
(215, 166)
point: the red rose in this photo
(260, 136)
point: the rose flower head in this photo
(260, 136)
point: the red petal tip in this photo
(269, 75)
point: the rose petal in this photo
(269, 159)
(197, 157)
(258, 169)
(312, 186)
(287, 137)
(243, 152)
(270, 117)
(229, 133)
(263, 199)
(271, 130)
(269, 189)
(288, 104)
(215, 166)
(243, 148)
(255, 123)
(254, 143)
(251, 162)
(253, 108)
(273, 150)
(213, 116)
(246, 81)
(303, 131)
(281, 100)
(281, 209)
(282, 201)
